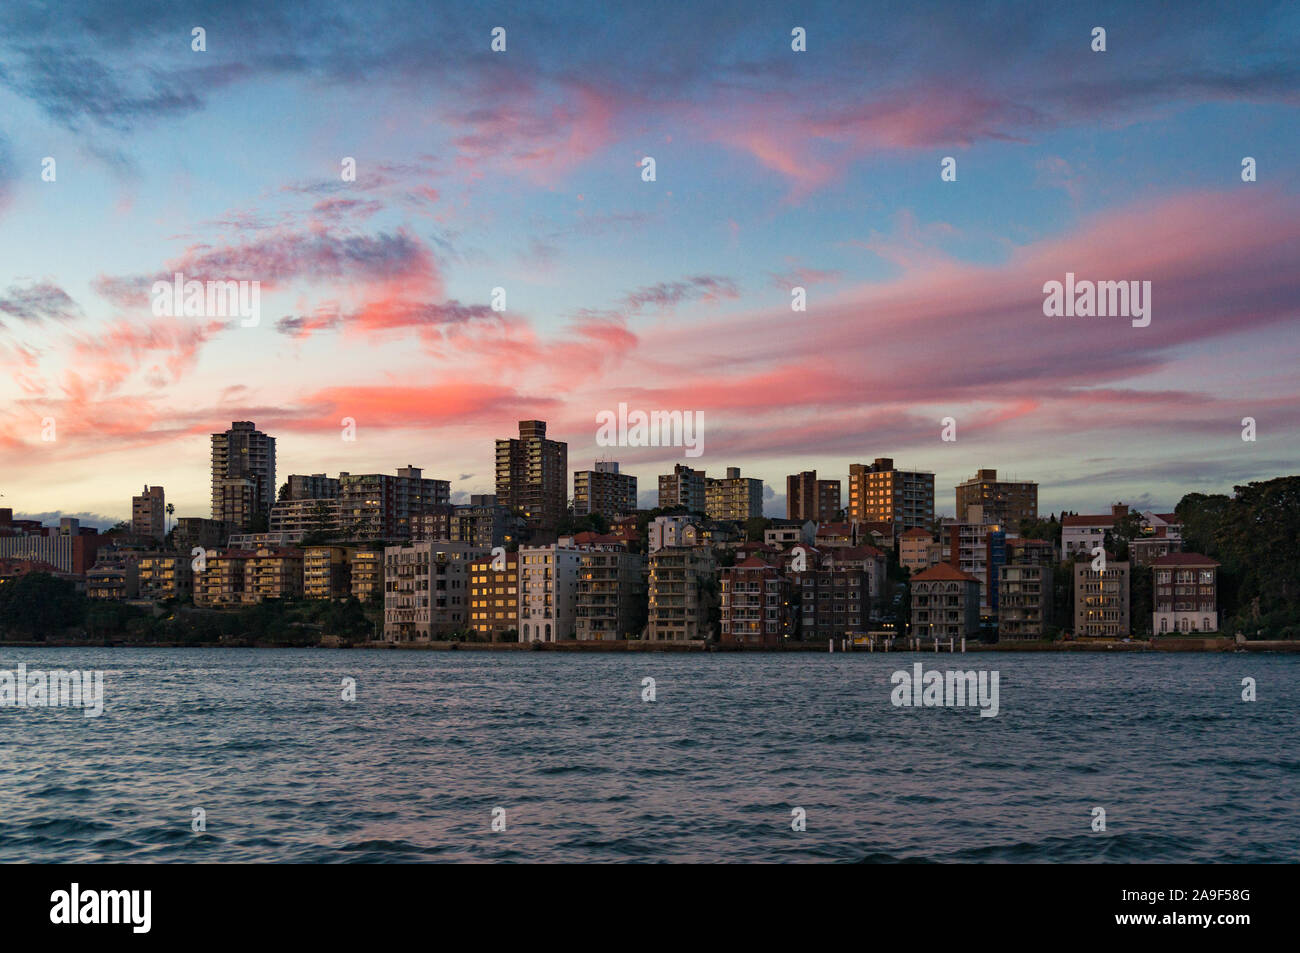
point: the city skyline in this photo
(775, 169)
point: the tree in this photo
(1141, 600)
(1049, 529)
(40, 604)
(1255, 536)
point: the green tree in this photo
(40, 604)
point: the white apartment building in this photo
(548, 593)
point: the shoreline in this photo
(1155, 645)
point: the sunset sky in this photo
(775, 168)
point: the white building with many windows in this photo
(548, 593)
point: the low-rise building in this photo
(166, 576)
(272, 572)
(914, 549)
(832, 603)
(114, 577)
(1024, 601)
(219, 582)
(870, 561)
(1185, 594)
(945, 603)
(367, 567)
(548, 593)
(1101, 599)
(611, 595)
(1082, 533)
(679, 578)
(326, 572)
(755, 604)
(426, 590)
(494, 595)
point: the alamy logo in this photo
(103, 906)
(208, 299)
(935, 689)
(658, 428)
(56, 689)
(1102, 299)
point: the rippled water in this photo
(586, 770)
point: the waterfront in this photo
(585, 770)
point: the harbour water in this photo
(564, 749)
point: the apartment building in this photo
(165, 576)
(1027, 551)
(220, 582)
(66, 548)
(314, 486)
(945, 604)
(733, 497)
(679, 580)
(979, 549)
(294, 519)
(486, 524)
(1185, 594)
(869, 561)
(832, 603)
(193, 532)
(494, 596)
(1006, 502)
(115, 577)
(611, 596)
(683, 487)
(808, 498)
(755, 604)
(1024, 600)
(915, 547)
(243, 474)
(367, 567)
(1082, 533)
(879, 492)
(381, 506)
(533, 475)
(603, 491)
(326, 572)
(273, 573)
(426, 590)
(548, 593)
(149, 514)
(1101, 599)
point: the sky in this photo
(522, 170)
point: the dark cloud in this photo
(40, 301)
(669, 294)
